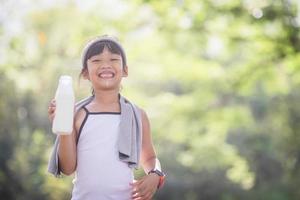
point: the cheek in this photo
(91, 69)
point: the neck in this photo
(106, 97)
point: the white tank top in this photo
(100, 175)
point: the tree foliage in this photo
(219, 80)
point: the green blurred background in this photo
(219, 80)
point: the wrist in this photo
(155, 177)
(160, 175)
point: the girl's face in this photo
(105, 70)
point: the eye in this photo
(96, 60)
(115, 59)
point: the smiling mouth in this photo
(106, 75)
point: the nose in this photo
(105, 64)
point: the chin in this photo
(108, 87)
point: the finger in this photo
(51, 111)
(143, 192)
(138, 192)
(149, 195)
(51, 108)
(138, 196)
(52, 103)
(138, 189)
(136, 183)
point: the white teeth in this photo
(106, 75)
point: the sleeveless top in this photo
(100, 175)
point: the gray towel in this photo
(129, 138)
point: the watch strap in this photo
(161, 175)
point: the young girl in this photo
(111, 136)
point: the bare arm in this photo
(67, 153)
(67, 150)
(149, 160)
(146, 187)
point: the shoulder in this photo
(143, 114)
(80, 114)
(83, 102)
(79, 105)
(144, 119)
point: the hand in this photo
(51, 110)
(145, 188)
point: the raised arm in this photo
(67, 150)
(67, 153)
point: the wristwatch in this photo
(162, 177)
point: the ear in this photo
(85, 74)
(125, 71)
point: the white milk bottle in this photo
(64, 112)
